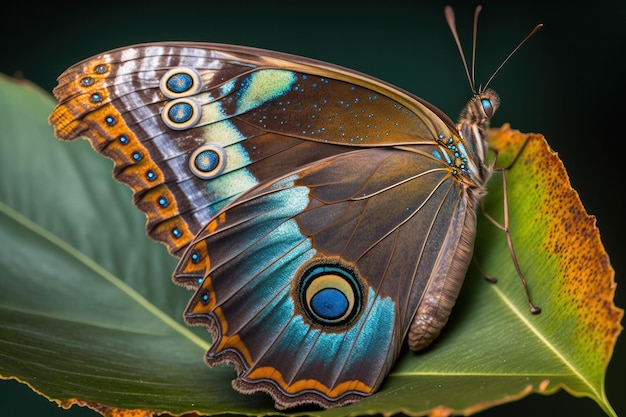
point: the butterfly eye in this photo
(489, 102)
(488, 107)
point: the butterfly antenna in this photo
(476, 12)
(451, 23)
(532, 32)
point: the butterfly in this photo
(321, 216)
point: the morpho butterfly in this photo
(322, 216)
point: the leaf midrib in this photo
(523, 317)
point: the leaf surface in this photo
(89, 314)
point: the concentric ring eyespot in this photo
(181, 114)
(330, 294)
(180, 82)
(100, 69)
(96, 98)
(87, 81)
(208, 161)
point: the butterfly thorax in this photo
(473, 125)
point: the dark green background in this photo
(566, 83)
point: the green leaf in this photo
(89, 315)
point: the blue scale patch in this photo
(455, 156)
(263, 86)
(207, 160)
(351, 348)
(180, 82)
(180, 112)
(329, 303)
(228, 87)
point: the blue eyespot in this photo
(163, 202)
(100, 69)
(330, 294)
(207, 161)
(195, 257)
(181, 114)
(180, 82)
(95, 98)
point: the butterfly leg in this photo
(489, 278)
(505, 228)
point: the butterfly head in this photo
(481, 107)
(473, 123)
(485, 101)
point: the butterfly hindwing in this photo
(280, 255)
